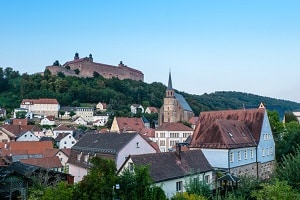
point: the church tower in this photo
(169, 107)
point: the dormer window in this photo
(230, 134)
(86, 158)
(79, 156)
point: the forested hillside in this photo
(72, 91)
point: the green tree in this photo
(290, 117)
(138, 185)
(276, 125)
(288, 169)
(99, 181)
(21, 114)
(276, 191)
(76, 71)
(62, 191)
(197, 186)
(56, 63)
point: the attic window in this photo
(137, 145)
(230, 134)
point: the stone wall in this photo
(245, 170)
(87, 67)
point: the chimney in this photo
(178, 150)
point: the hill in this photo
(118, 94)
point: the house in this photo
(49, 120)
(15, 151)
(86, 113)
(65, 140)
(171, 170)
(62, 154)
(107, 145)
(2, 113)
(102, 107)
(100, 120)
(23, 122)
(49, 163)
(127, 125)
(151, 110)
(175, 108)
(6, 135)
(297, 114)
(237, 141)
(41, 106)
(168, 134)
(136, 108)
(193, 121)
(80, 121)
(17, 130)
(27, 136)
(62, 129)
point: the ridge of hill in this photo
(119, 94)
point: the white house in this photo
(41, 106)
(27, 136)
(135, 107)
(100, 120)
(65, 140)
(80, 121)
(108, 145)
(101, 106)
(62, 154)
(151, 110)
(62, 129)
(49, 120)
(168, 134)
(171, 170)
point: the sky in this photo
(208, 45)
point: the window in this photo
(162, 143)
(65, 142)
(86, 158)
(162, 135)
(79, 156)
(185, 135)
(231, 157)
(179, 186)
(174, 135)
(251, 153)
(271, 150)
(263, 151)
(130, 167)
(267, 151)
(173, 142)
(207, 179)
(137, 145)
(245, 155)
(239, 155)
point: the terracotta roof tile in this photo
(40, 101)
(130, 124)
(33, 147)
(47, 162)
(173, 126)
(207, 124)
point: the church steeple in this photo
(170, 90)
(170, 82)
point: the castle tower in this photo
(76, 57)
(91, 57)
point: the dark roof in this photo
(167, 166)
(184, 104)
(46, 162)
(61, 136)
(109, 143)
(170, 87)
(207, 124)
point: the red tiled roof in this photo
(18, 129)
(149, 132)
(47, 162)
(66, 151)
(50, 152)
(152, 109)
(130, 124)
(62, 128)
(194, 120)
(252, 119)
(19, 121)
(33, 147)
(39, 101)
(173, 126)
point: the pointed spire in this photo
(170, 82)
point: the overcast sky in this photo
(246, 46)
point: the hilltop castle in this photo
(86, 67)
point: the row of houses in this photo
(238, 142)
